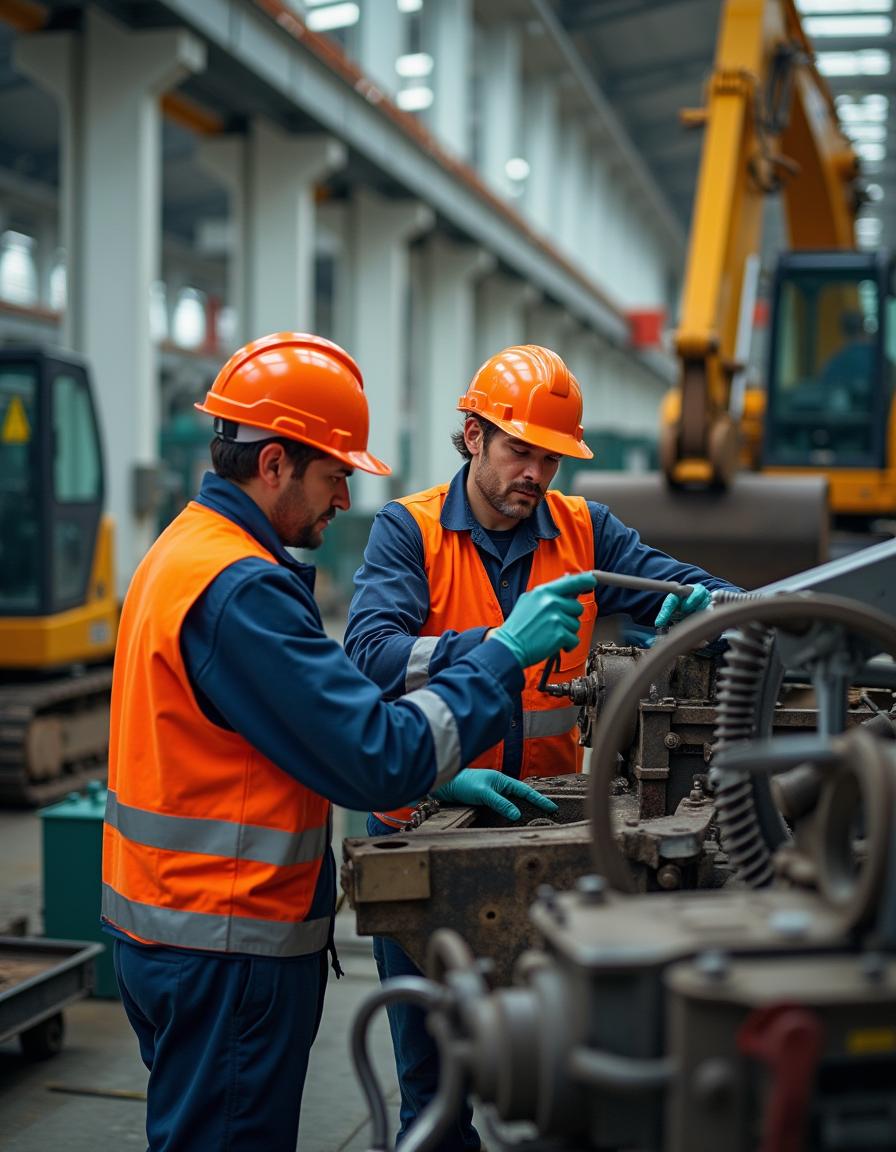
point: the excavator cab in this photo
(831, 370)
(57, 598)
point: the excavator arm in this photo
(770, 126)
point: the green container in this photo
(72, 869)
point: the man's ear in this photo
(271, 462)
(473, 435)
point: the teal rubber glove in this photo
(545, 619)
(675, 609)
(483, 787)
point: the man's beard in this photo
(501, 498)
(308, 536)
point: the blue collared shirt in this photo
(391, 600)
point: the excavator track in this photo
(54, 736)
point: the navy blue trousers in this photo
(416, 1054)
(226, 1041)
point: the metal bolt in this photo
(592, 889)
(714, 965)
(669, 877)
(672, 740)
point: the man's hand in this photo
(675, 609)
(481, 786)
(545, 619)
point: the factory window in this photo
(18, 274)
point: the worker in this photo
(236, 722)
(444, 567)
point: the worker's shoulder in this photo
(428, 502)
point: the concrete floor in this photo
(90, 1095)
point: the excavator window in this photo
(20, 545)
(51, 484)
(827, 399)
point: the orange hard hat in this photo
(529, 392)
(298, 386)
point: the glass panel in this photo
(76, 483)
(19, 498)
(824, 406)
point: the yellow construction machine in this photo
(58, 603)
(819, 433)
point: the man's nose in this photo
(342, 498)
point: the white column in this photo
(445, 352)
(279, 263)
(540, 150)
(109, 83)
(448, 38)
(500, 103)
(380, 41)
(500, 313)
(373, 315)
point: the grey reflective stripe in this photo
(444, 731)
(549, 721)
(417, 673)
(217, 837)
(212, 932)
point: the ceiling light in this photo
(410, 5)
(516, 169)
(414, 99)
(875, 193)
(869, 132)
(871, 109)
(820, 26)
(870, 62)
(414, 66)
(871, 151)
(846, 7)
(332, 17)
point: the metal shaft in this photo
(643, 584)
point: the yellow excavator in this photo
(752, 479)
(58, 602)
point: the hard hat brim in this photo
(560, 443)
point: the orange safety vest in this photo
(206, 843)
(461, 596)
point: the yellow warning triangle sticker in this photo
(16, 429)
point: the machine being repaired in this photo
(759, 1015)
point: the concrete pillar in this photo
(539, 149)
(283, 171)
(448, 38)
(445, 352)
(501, 313)
(499, 106)
(380, 41)
(108, 82)
(373, 319)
